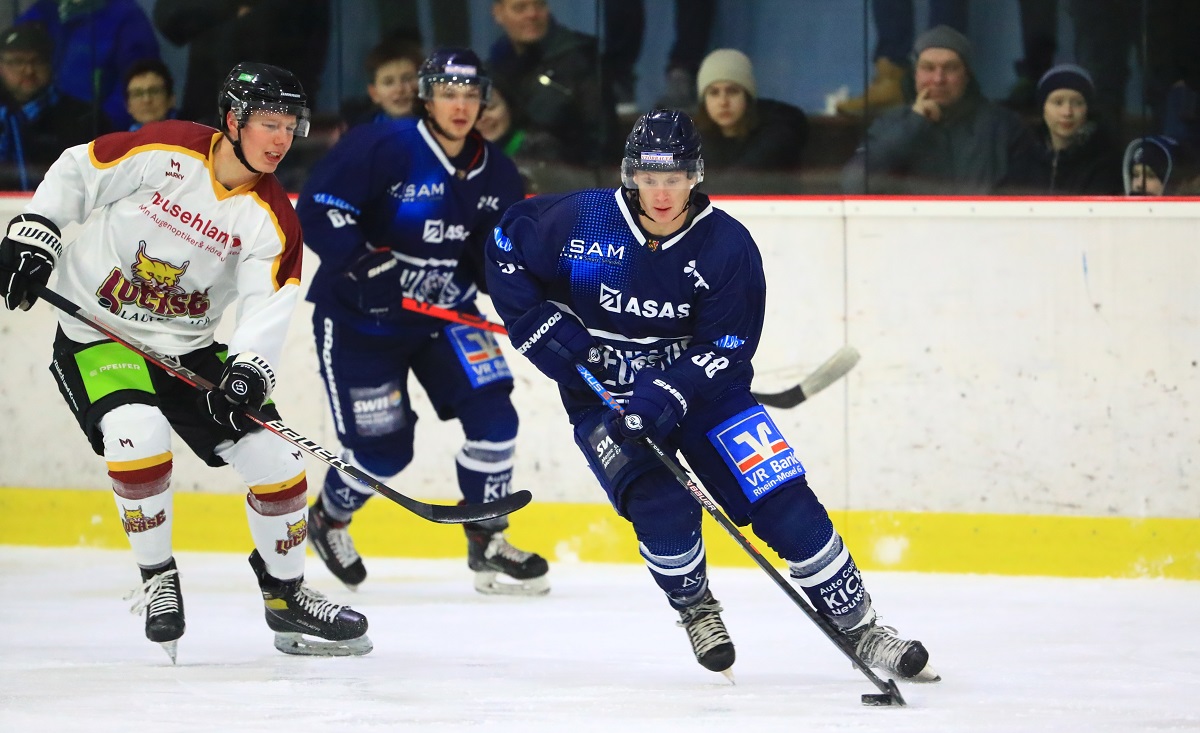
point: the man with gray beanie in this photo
(949, 139)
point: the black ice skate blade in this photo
(891, 698)
(302, 646)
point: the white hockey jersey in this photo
(167, 248)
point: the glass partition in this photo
(829, 97)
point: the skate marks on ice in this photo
(601, 652)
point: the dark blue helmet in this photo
(254, 86)
(453, 66)
(662, 140)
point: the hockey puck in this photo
(877, 700)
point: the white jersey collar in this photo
(631, 220)
(441, 154)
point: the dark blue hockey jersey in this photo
(691, 304)
(389, 184)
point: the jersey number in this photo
(339, 219)
(711, 365)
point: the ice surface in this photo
(600, 653)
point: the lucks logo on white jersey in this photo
(614, 300)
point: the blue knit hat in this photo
(1066, 76)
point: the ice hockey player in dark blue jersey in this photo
(661, 296)
(401, 209)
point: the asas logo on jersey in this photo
(296, 534)
(408, 193)
(754, 449)
(479, 355)
(135, 520)
(612, 299)
(579, 249)
(436, 232)
(154, 287)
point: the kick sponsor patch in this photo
(479, 355)
(756, 452)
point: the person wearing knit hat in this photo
(942, 61)
(1076, 155)
(1149, 163)
(943, 36)
(739, 129)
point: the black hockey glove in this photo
(555, 341)
(656, 406)
(28, 253)
(371, 284)
(247, 380)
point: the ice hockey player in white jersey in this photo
(186, 221)
(661, 296)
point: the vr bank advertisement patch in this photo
(755, 452)
(479, 355)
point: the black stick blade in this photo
(891, 698)
(460, 513)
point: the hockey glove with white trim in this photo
(654, 409)
(371, 284)
(247, 381)
(555, 341)
(28, 254)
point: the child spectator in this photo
(392, 68)
(1150, 166)
(740, 130)
(149, 93)
(1075, 154)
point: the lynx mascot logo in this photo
(155, 287)
(296, 534)
(134, 520)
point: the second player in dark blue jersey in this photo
(399, 210)
(661, 296)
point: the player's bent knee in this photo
(792, 521)
(262, 457)
(490, 417)
(135, 431)
(383, 463)
(665, 517)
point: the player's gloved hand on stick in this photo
(247, 381)
(555, 341)
(28, 253)
(371, 284)
(656, 406)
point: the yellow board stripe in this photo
(140, 463)
(1004, 544)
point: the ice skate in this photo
(161, 598)
(500, 568)
(879, 647)
(706, 631)
(296, 612)
(331, 541)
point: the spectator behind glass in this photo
(1075, 154)
(292, 34)
(95, 41)
(951, 140)
(149, 93)
(739, 129)
(392, 90)
(496, 125)
(37, 121)
(1152, 167)
(551, 74)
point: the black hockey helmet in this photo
(251, 86)
(663, 140)
(453, 66)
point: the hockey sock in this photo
(485, 474)
(341, 498)
(276, 505)
(833, 584)
(137, 448)
(679, 567)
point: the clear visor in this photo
(426, 84)
(682, 174)
(299, 112)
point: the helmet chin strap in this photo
(237, 148)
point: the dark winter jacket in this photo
(1090, 166)
(977, 148)
(34, 135)
(555, 87)
(293, 34)
(775, 144)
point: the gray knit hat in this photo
(726, 64)
(943, 36)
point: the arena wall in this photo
(1026, 401)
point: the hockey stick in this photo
(891, 694)
(447, 314)
(456, 514)
(834, 368)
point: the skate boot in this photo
(490, 555)
(294, 610)
(706, 631)
(331, 541)
(879, 647)
(162, 599)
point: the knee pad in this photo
(666, 519)
(382, 463)
(489, 416)
(262, 458)
(793, 522)
(135, 431)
